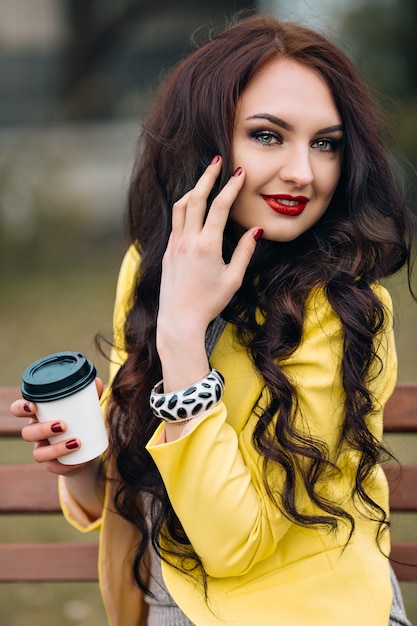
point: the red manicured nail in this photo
(72, 444)
(238, 171)
(26, 407)
(56, 428)
(216, 159)
(258, 234)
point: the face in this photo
(288, 138)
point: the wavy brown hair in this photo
(365, 235)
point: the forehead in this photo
(285, 86)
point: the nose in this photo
(296, 166)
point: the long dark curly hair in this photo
(365, 235)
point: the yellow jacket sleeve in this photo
(72, 510)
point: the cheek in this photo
(242, 207)
(244, 155)
(236, 152)
(257, 173)
(326, 182)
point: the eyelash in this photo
(259, 135)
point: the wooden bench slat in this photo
(9, 426)
(33, 489)
(21, 562)
(400, 411)
(406, 555)
(400, 414)
(403, 487)
(28, 489)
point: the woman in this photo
(263, 213)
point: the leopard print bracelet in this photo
(183, 405)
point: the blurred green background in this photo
(76, 78)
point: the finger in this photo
(44, 452)
(178, 214)
(242, 255)
(39, 431)
(197, 199)
(220, 208)
(22, 408)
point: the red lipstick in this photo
(286, 204)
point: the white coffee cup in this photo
(63, 388)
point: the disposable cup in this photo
(63, 388)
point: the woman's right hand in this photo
(196, 282)
(41, 434)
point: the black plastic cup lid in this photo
(56, 376)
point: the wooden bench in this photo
(28, 488)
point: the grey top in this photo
(397, 616)
(162, 609)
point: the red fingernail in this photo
(238, 171)
(258, 234)
(56, 428)
(26, 407)
(216, 159)
(72, 444)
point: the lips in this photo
(286, 205)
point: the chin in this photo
(281, 237)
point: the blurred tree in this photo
(115, 47)
(383, 38)
(383, 41)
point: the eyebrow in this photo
(286, 126)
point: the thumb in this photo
(100, 386)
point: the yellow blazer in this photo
(262, 569)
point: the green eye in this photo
(327, 145)
(324, 144)
(264, 137)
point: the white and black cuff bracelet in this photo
(183, 405)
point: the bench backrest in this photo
(400, 416)
(28, 488)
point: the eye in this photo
(265, 137)
(326, 145)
